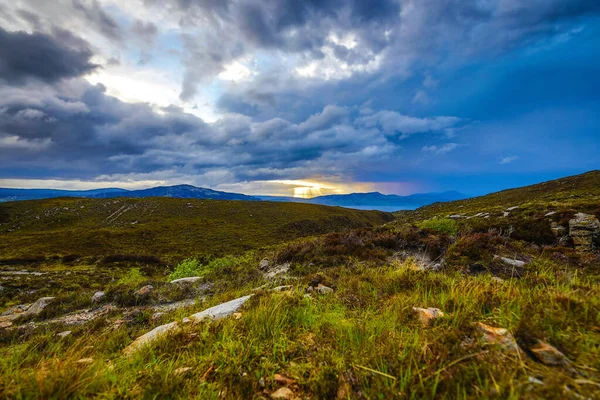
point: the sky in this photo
(304, 98)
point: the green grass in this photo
(440, 225)
(363, 337)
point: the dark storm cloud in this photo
(407, 36)
(43, 57)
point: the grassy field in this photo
(362, 340)
(166, 228)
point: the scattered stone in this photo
(186, 320)
(322, 289)
(182, 370)
(456, 216)
(497, 279)
(83, 316)
(511, 262)
(98, 297)
(505, 214)
(87, 360)
(512, 208)
(428, 315)
(5, 324)
(282, 394)
(236, 315)
(261, 382)
(548, 354)
(310, 289)
(264, 264)
(278, 270)
(190, 279)
(585, 231)
(63, 334)
(500, 337)
(217, 312)
(550, 214)
(283, 380)
(144, 291)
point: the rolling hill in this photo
(577, 192)
(162, 227)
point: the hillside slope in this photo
(162, 227)
(581, 192)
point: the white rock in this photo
(153, 335)
(550, 213)
(188, 279)
(222, 310)
(63, 334)
(512, 208)
(511, 262)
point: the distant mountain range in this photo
(178, 191)
(373, 200)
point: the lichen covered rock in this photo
(584, 229)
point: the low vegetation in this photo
(341, 323)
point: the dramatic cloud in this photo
(38, 56)
(250, 94)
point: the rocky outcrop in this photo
(217, 312)
(26, 311)
(584, 229)
(277, 271)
